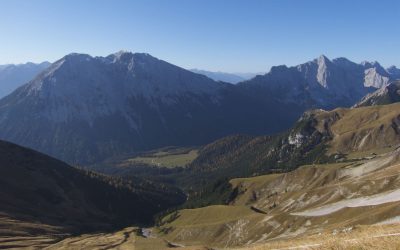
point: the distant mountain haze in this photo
(225, 77)
(83, 109)
(13, 76)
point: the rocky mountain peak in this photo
(323, 73)
(371, 64)
(322, 59)
(345, 63)
(394, 71)
(278, 69)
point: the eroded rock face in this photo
(375, 79)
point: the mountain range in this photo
(324, 83)
(83, 109)
(13, 76)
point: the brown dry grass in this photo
(363, 129)
(360, 238)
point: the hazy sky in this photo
(229, 35)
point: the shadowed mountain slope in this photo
(54, 197)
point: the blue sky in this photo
(232, 36)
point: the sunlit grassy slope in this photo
(354, 238)
(362, 129)
(310, 200)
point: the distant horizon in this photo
(215, 71)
